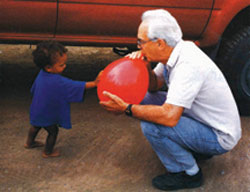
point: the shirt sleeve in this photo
(73, 90)
(184, 86)
(159, 71)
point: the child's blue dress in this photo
(52, 95)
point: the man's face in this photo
(154, 50)
(149, 48)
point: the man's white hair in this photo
(162, 25)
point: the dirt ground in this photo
(102, 152)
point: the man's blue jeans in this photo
(173, 145)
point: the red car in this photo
(220, 27)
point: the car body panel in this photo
(27, 19)
(117, 21)
(93, 22)
(223, 13)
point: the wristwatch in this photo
(128, 111)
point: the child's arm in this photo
(93, 84)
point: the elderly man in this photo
(196, 117)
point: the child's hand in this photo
(93, 84)
(97, 80)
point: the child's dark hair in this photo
(47, 53)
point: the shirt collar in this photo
(175, 54)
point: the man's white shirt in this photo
(197, 84)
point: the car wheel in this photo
(234, 59)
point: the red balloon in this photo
(126, 78)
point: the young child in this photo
(52, 94)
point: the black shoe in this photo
(174, 181)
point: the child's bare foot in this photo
(34, 145)
(55, 153)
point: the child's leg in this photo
(31, 143)
(51, 141)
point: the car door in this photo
(27, 19)
(116, 21)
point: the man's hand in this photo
(115, 104)
(135, 55)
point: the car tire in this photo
(234, 60)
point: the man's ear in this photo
(48, 68)
(161, 44)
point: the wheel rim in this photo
(245, 79)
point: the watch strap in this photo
(128, 110)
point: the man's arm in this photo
(154, 83)
(166, 114)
